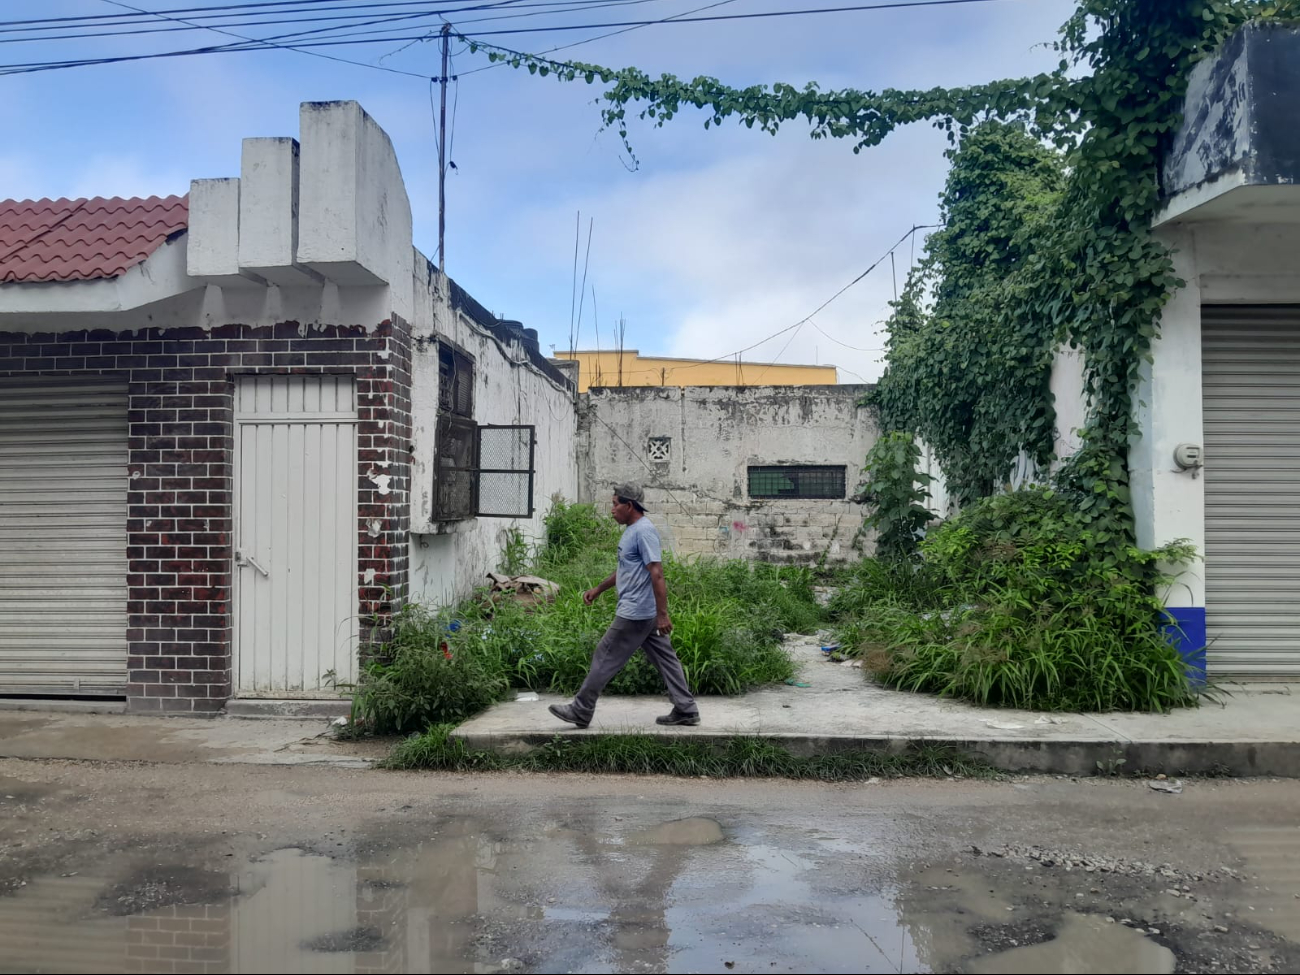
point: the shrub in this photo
(1017, 604)
(417, 679)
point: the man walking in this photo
(640, 622)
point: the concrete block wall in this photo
(696, 471)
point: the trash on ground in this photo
(1004, 725)
(1172, 787)
(528, 591)
(850, 663)
(797, 683)
(830, 649)
(527, 696)
(340, 722)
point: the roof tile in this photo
(85, 239)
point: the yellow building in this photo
(630, 368)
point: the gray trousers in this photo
(621, 640)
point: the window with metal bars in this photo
(789, 481)
(455, 382)
(479, 471)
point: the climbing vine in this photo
(1088, 272)
(1003, 189)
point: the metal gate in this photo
(295, 535)
(1251, 385)
(63, 564)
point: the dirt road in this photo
(189, 867)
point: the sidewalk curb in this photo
(1278, 759)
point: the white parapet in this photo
(268, 211)
(213, 237)
(354, 218)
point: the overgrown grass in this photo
(1010, 606)
(663, 755)
(445, 665)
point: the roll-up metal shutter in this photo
(63, 564)
(1251, 384)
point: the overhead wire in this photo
(601, 37)
(807, 318)
(221, 11)
(344, 40)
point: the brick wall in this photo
(180, 939)
(181, 428)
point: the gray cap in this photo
(632, 491)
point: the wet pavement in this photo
(148, 868)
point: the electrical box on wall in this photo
(1189, 457)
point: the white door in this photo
(63, 565)
(1250, 360)
(295, 535)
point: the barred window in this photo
(455, 382)
(797, 482)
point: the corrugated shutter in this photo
(1251, 369)
(63, 567)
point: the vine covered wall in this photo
(1076, 153)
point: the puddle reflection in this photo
(676, 897)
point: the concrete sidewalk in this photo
(1254, 731)
(109, 737)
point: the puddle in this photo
(682, 832)
(595, 894)
(1083, 945)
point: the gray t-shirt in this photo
(638, 547)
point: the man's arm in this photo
(591, 595)
(662, 623)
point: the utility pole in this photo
(442, 156)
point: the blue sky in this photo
(719, 238)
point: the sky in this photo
(714, 241)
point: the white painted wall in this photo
(1067, 393)
(318, 231)
(1223, 262)
(448, 560)
(699, 497)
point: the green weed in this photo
(733, 757)
(1015, 604)
(446, 665)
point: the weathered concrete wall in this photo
(449, 559)
(698, 494)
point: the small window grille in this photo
(483, 471)
(455, 382)
(455, 485)
(659, 449)
(505, 471)
(807, 483)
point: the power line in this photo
(263, 44)
(141, 24)
(846, 345)
(807, 318)
(600, 37)
(218, 11)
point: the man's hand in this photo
(663, 625)
(591, 595)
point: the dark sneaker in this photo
(565, 713)
(676, 717)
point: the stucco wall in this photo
(699, 496)
(1222, 263)
(449, 559)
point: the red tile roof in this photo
(83, 240)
